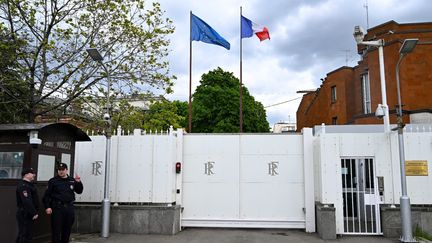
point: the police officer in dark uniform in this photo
(28, 205)
(58, 201)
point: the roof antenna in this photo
(347, 55)
(366, 6)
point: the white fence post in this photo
(179, 177)
(308, 171)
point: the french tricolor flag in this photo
(248, 28)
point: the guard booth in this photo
(40, 146)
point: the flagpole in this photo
(190, 73)
(241, 74)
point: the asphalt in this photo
(207, 235)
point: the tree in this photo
(11, 84)
(159, 117)
(182, 112)
(163, 114)
(216, 106)
(54, 65)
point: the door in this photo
(360, 196)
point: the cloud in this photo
(308, 40)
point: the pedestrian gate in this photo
(360, 196)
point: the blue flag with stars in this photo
(201, 31)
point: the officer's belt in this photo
(60, 203)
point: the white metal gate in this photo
(360, 196)
(244, 181)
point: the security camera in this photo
(33, 138)
(379, 112)
(359, 34)
(106, 117)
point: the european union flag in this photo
(201, 31)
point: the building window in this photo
(46, 167)
(11, 165)
(334, 120)
(333, 94)
(366, 93)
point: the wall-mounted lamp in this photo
(380, 111)
(359, 35)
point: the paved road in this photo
(206, 235)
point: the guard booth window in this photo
(46, 167)
(11, 165)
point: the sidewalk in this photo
(207, 235)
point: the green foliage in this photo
(13, 90)
(54, 65)
(127, 116)
(421, 235)
(163, 114)
(182, 111)
(216, 106)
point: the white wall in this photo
(142, 168)
(384, 148)
(330, 148)
(418, 146)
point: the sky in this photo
(309, 38)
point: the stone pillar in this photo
(326, 221)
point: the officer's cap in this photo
(25, 171)
(62, 166)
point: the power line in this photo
(283, 102)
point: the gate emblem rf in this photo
(208, 168)
(273, 168)
(96, 168)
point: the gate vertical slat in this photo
(346, 195)
(377, 208)
(370, 186)
(352, 195)
(365, 163)
(358, 188)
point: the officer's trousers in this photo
(25, 225)
(62, 219)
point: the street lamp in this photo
(96, 56)
(405, 207)
(359, 34)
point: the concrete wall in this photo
(129, 219)
(391, 220)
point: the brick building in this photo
(350, 95)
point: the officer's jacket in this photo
(61, 190)
(27, 198)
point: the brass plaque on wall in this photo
(416, 168)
